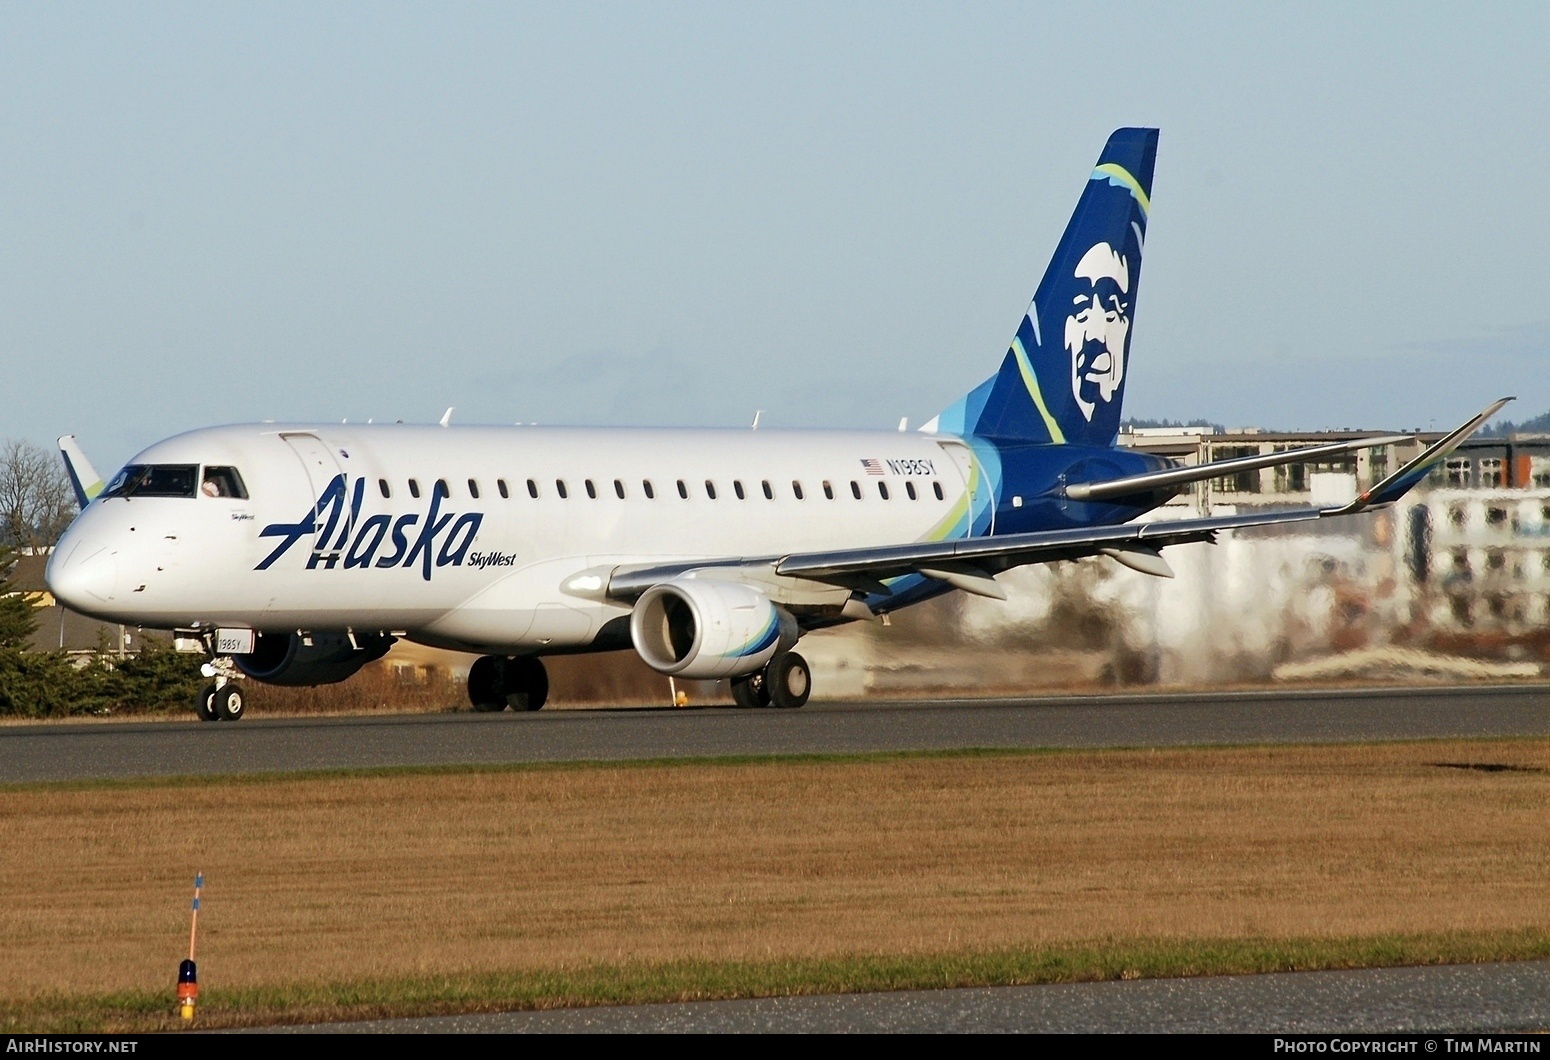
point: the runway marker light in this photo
(188, 973)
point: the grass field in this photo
(450, 890)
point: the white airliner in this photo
(298, 553)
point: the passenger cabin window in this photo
(441, 488)
(500, 484)
(737, 488)
(559, 487)
(591, 490)
(710, 489)
(909, 487)
(796, 489)
(384, 488)
(855, 489)
(882, 490)
(828, 489)
(936, 487)
(223, 482)
(619, 489)
(532, 489)
(154, 480)
(645, 485)
(683, 491)
(414, 488)
(473, 489)
(769, 494)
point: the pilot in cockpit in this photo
(222, 482)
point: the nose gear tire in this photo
(229, 703)
(204, 704)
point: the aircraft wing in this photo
(971, 563)
(1154, 480)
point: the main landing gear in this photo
(223, 700)
(496, 682)
(785, 682)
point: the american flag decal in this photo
(873, 467)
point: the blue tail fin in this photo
(1063, 380)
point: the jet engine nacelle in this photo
(310, 658)
(706, 629)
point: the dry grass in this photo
(424, 874)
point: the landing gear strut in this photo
(786, 682)
(496, 682)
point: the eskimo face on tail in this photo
(1098, 328)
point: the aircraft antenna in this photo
(756, 414)
(446, 417)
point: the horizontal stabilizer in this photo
(1156, 480)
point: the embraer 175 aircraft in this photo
(298, 553)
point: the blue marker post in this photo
(188, 975)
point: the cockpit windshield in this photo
(155, 480)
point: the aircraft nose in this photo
(83, 579)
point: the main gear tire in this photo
(789, 680)
(487, 684)
(526, 683)
(751, 691)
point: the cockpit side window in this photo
(155, 480)
(223, 482)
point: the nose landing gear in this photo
(223, 700)
(786, 682)
(496, 682)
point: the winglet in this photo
(1400, 482)
(83, 477)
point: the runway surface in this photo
(1451, 999)
(257, 745)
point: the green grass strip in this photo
(140, 1011)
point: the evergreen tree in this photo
(16, 616)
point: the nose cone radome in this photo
(84, 579)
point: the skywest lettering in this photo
(335, 522)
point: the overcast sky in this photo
(837, 213)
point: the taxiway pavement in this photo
(1452, 999)
(85, 751)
